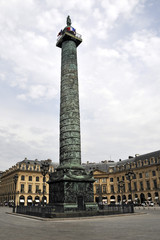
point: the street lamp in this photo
(15, 179)
(44, 171)
(129, 177)
(121, 187)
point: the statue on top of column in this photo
(68, 21)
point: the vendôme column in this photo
(70, 187)
(70, 145)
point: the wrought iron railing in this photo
(76, 35)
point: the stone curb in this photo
(75, 218)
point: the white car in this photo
(143, 204)
(151, 204)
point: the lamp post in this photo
(129, 176)
(44, 171)
(121, 187)
(39, 192)
(15, 179)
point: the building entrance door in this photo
(142, 198)
(80, 203)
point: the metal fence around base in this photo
(38, 211)
(117, 209)
(49, 211)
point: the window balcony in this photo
(38, 191)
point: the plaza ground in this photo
(144, 224)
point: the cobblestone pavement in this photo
(137, 226)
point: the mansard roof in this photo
(137, 158)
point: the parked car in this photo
(151, 204)
(143, 204)
(11, 203)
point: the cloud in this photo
(39, 91)
(19, 141)
(145, 46)
(113, 13)
(27, 50)
(29, 28)
(122, 103)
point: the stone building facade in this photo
(114, 184)
(29, 187)
(111, 181)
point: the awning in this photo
(112, 200)
(29, 200)
(21, 200)
(37, 200)
(156, 198)
(136, 198)
(149, 197)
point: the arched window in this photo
(45, 200)
(21, 200)
(104, 200)
(129, 198)
(118, 198)
(149, 196)
(29, 200)
(136, 196)
(112, 199)
(37, 201)
(156, 196)
(124, 198)
(142, 197)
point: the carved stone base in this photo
(71, 190)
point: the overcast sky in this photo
(119, 78)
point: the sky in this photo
(118, 72)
